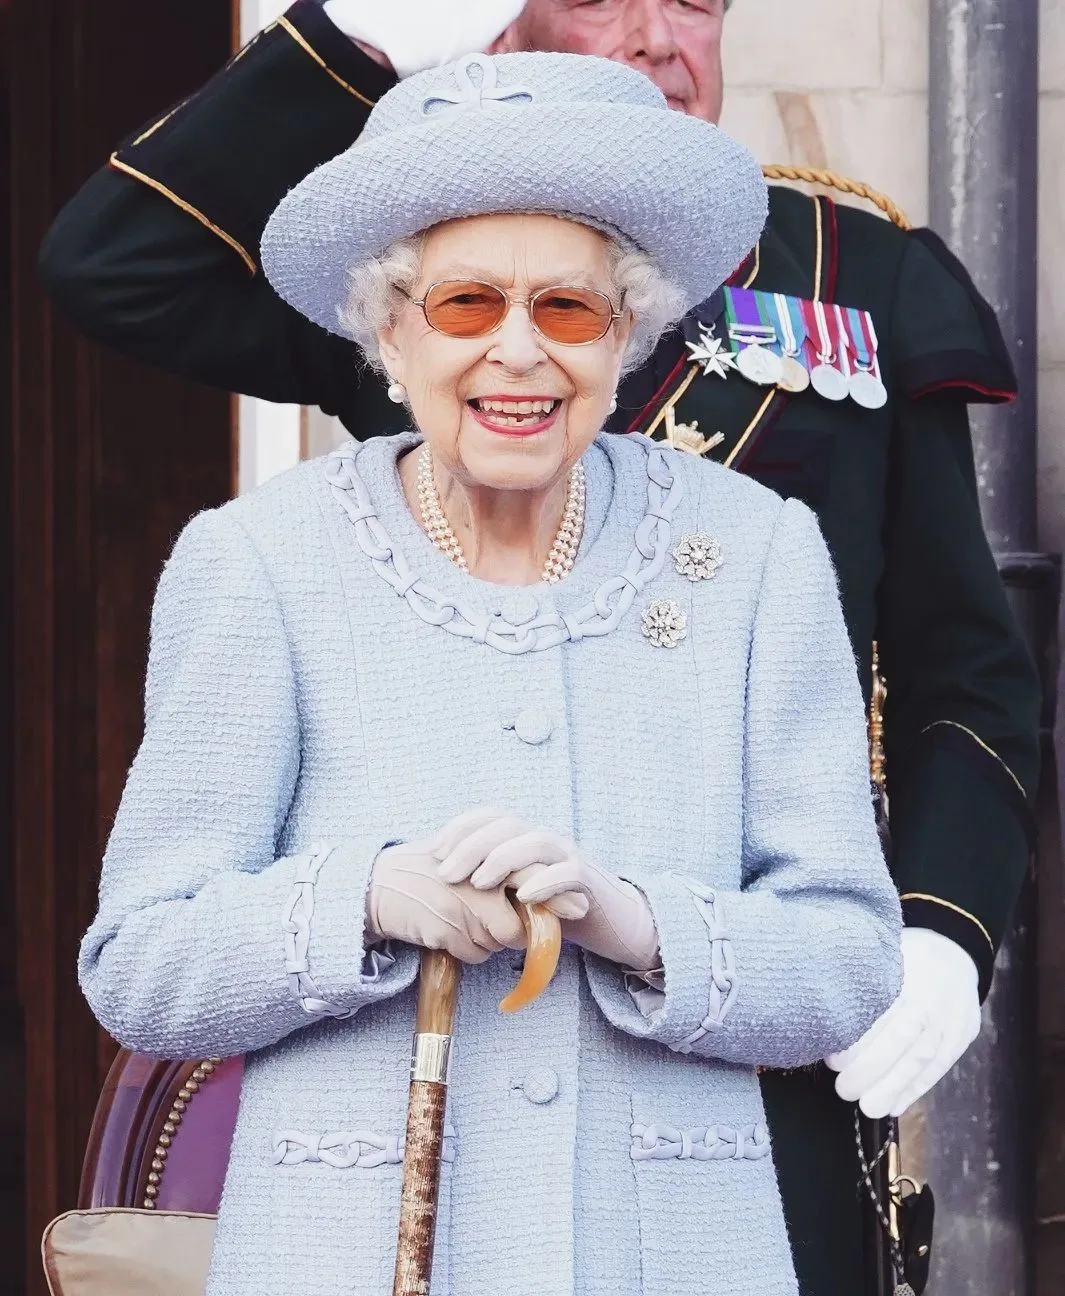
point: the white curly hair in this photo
(377, 288)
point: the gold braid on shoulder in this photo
(830, 180)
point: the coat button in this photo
(519, 608)
(533, 726)
(540, 1085)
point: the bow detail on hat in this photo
(477, 91)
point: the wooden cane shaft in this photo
(421, 1187)
(438, 987)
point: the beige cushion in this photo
(123, 1252)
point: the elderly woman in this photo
(637, 658)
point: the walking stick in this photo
(438, 986)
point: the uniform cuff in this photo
(957, 925)
(962, 836)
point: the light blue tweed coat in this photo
(323, 682)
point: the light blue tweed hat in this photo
(564, 133)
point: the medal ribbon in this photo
(842, 356)
(817, 324)
(770, 322)
(793, 330)
(745, 318)
(869, 333)
(858, 338)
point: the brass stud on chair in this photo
(201, 1072)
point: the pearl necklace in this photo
(563, 552)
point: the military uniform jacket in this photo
(158, 256)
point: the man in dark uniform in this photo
(158, 256)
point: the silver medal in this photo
(760, 365)
(711, 352)
(867, 390)
(828, 382)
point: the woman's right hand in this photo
(417, 34)
(407, 901)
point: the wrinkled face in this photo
(511, 410)
(676, 43)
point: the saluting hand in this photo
(601, 912)
(417, 34)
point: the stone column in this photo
(978, 1124)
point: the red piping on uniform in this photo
(673, 373)
(741, 269)
(949, 383)
(832, 271)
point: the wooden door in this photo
(107, 460)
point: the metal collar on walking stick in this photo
(438, 986)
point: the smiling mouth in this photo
(528, 415)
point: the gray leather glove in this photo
(601, 912)
(408, 901)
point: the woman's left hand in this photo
(604, 914)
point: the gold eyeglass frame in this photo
(511, 302)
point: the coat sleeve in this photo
(805, 956)
(158, 254)
(961, 723)
(205, 943)
(963, 704)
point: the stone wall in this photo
(845, 86)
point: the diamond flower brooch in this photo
(698, 556)
(665, 623)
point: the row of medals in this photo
(759, 364)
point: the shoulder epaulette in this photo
(830, 180)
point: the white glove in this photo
(407, 901)
(418, 34)
(921, 1036)
(603, 913)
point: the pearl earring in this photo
(613, 403)
(397, 393)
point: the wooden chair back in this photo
(161, 1134)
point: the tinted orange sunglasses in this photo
(467, 308)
